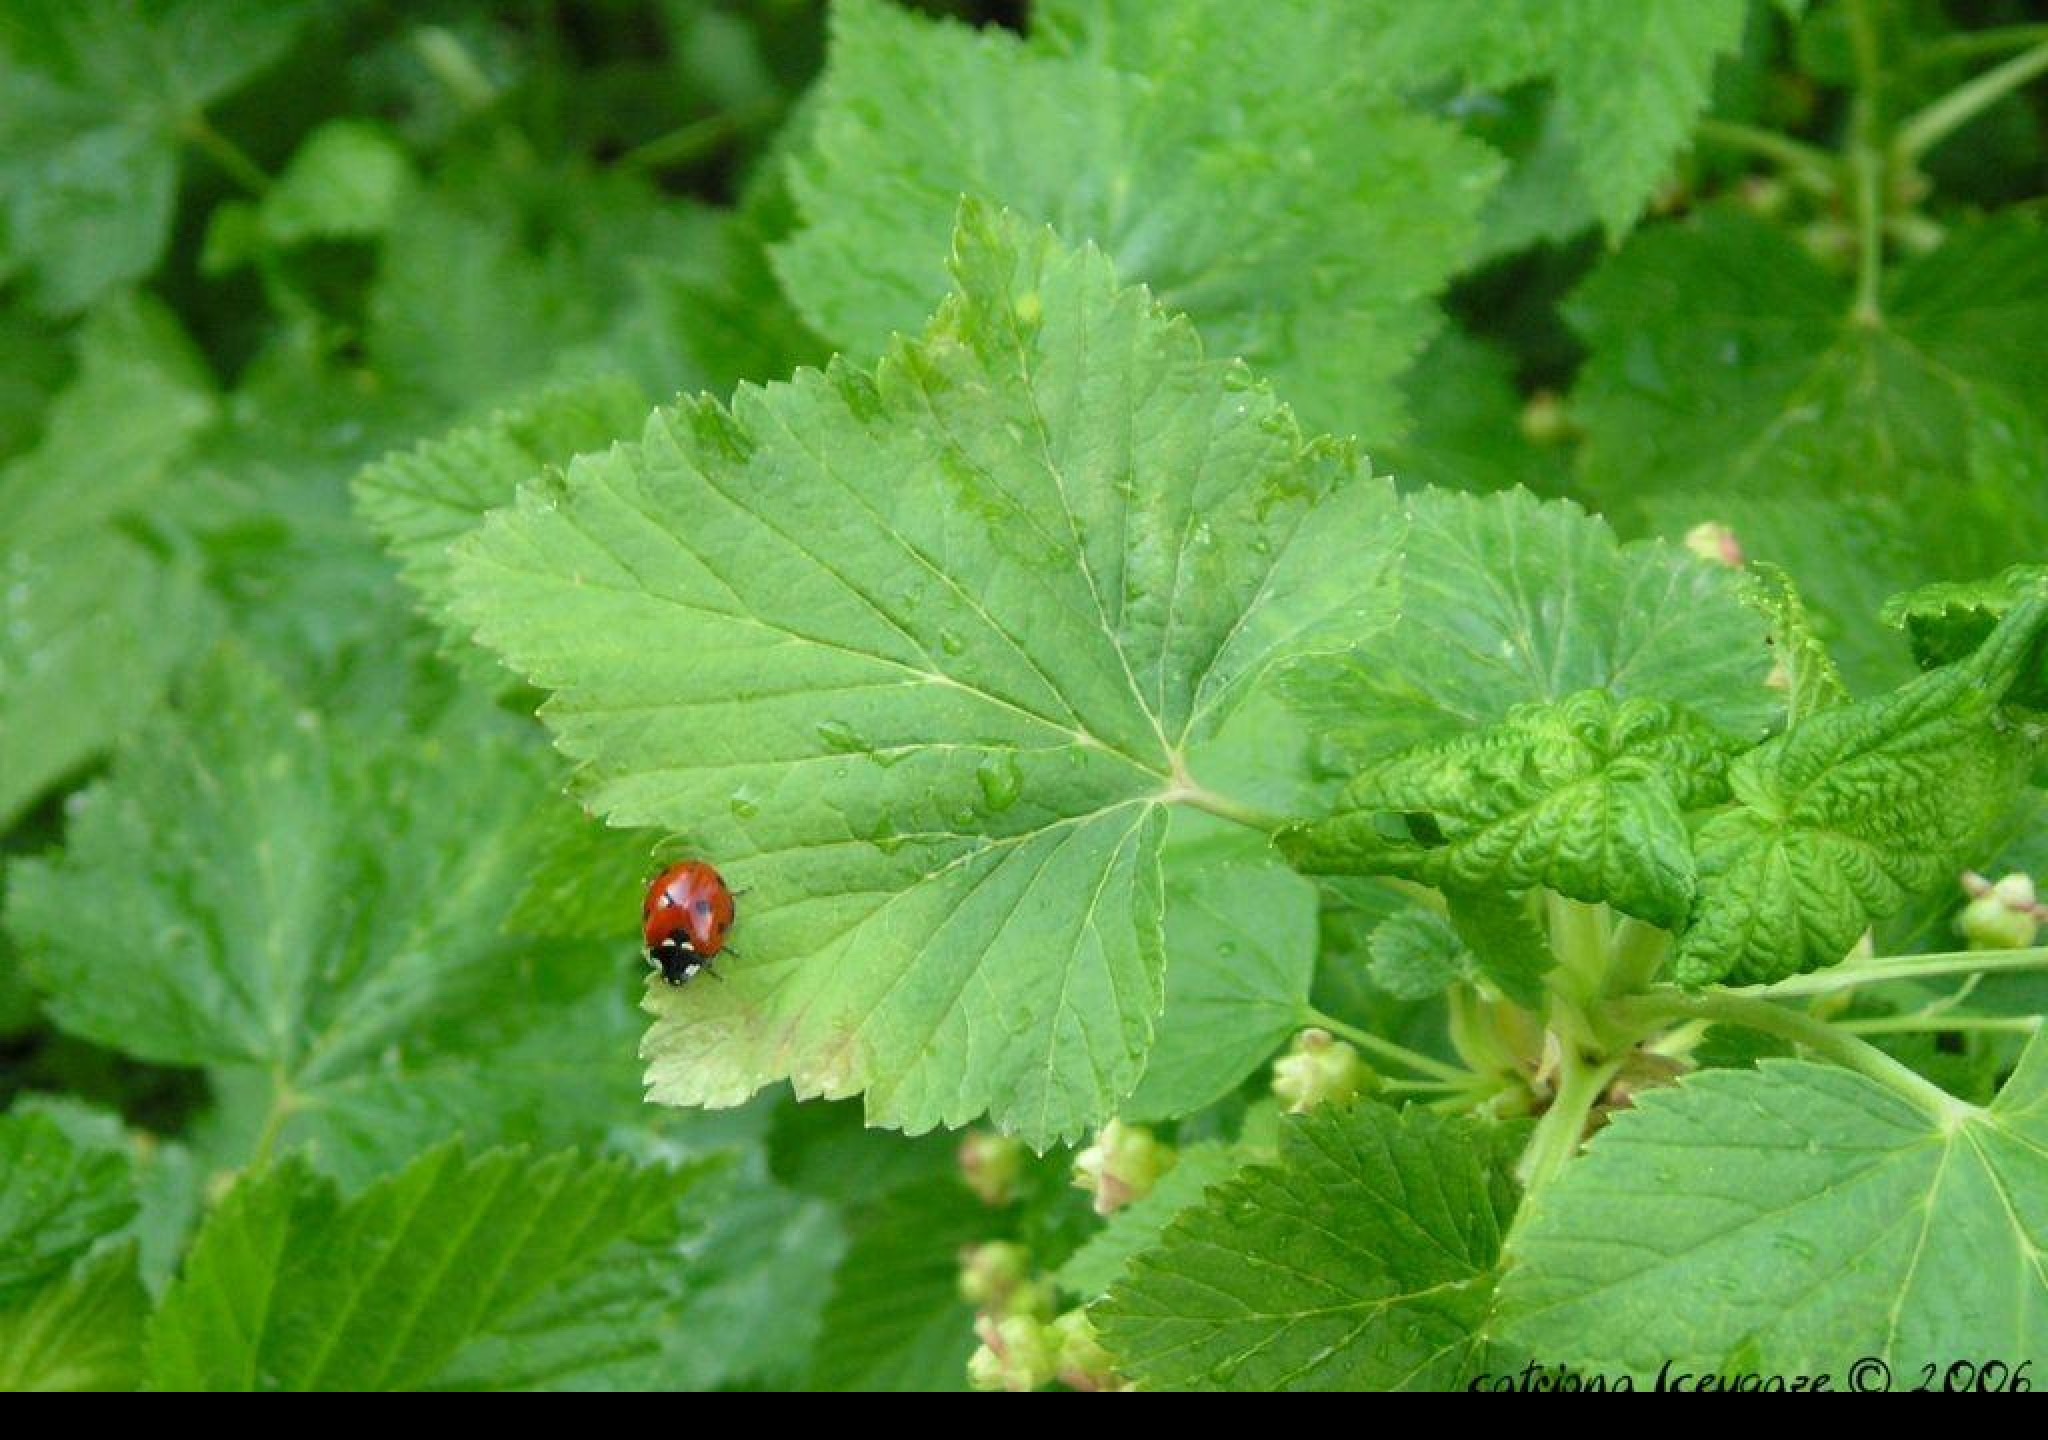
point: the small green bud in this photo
(1716, 542)
(2005, 914)
(1319, 1070)
(991, 1165)
(1123, 1165)
(991, 1274)
(1830, 241)
(1016, 1355)
(1763, 195)
(1545, 421)
(1082, 1362)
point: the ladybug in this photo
(686, 918)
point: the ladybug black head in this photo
(676, 959)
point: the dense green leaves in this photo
(939, 748)
(989, 660)
(57, 1199)
(94, 616)
(81, 1332)
(1365, 1259)
(1724, 357)
(1587, 797)
(895, 1319)
(1827, 1218)
(502, 1271)
(1631, 77)
(1847, 816)
(103, 95)
(311, 908)
(1310, 223)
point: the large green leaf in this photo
(916, 654)
(1365, 1259)
(1852, 813)
(1304, 226)
(1507, 600)
(503, 1271)
(102, 95)
(1793, 1219)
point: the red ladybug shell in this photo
(686, 918)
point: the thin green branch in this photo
(1975, 44)
(1563, 1127)
(1200, 797)
(1828, 1041)
(1931, 1021)
(1927, 128)
(691, 143)
(1806, 165)
(1910, 967)
(1867, 164)
(233, 160)
(1387, 1050)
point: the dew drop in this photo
(841, 737)
(1001, 779)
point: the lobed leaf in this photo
(1807, 1217)
(916, 653)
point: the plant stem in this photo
(1387, 1050)
(1919, 1024)
(1804, 164)
(1202, 798)
(1422, 1087)
(1867, 165)
(1927, 128)
(450, 62)
(1973, 43)
(284, 1103)
(1816, 1035)
(1911, 967)
(233, 160)
(688, 144)
(1563, 1126)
